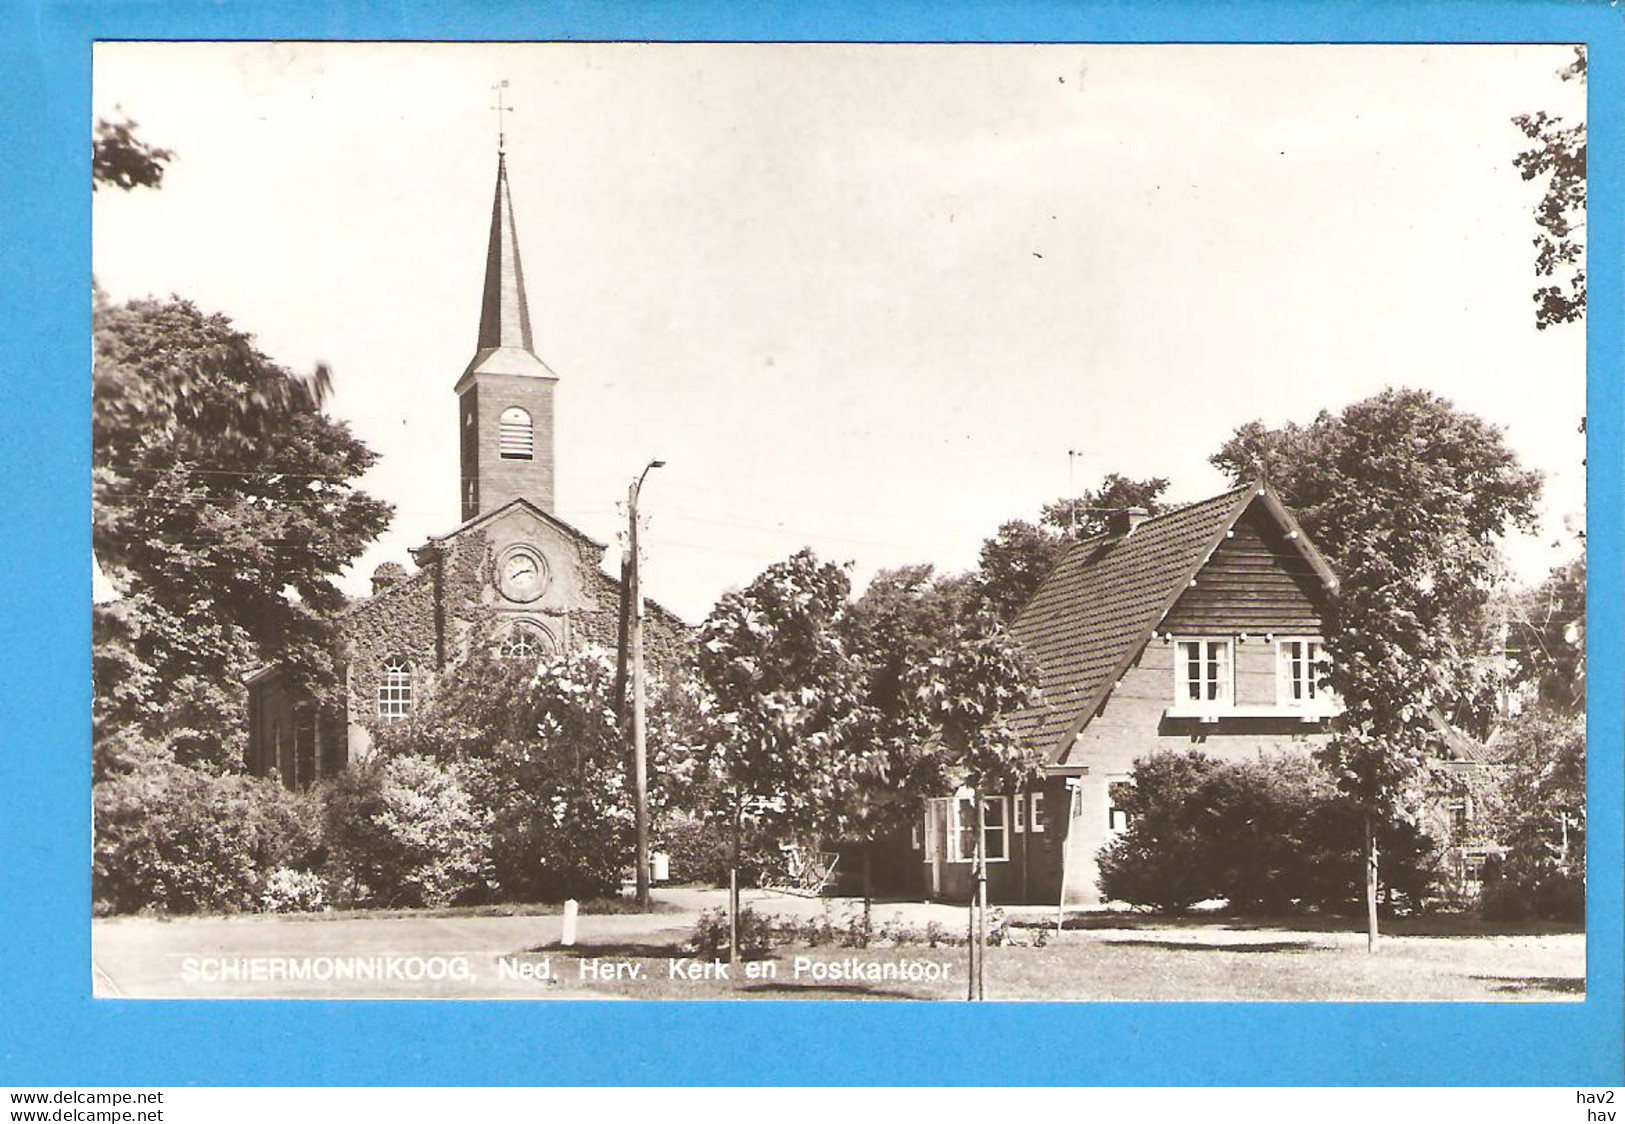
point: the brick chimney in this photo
(386, 575)
(1124, 522)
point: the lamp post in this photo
(640, 765)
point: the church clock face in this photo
(522, 573)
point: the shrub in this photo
(711, 934)
(1521, 885)
(1266, 835)
(405, 832)
(857, 930)
(293, 891)
(1160, 860)
(175, 838)
(701, 849)
(998, 929)
(896, 931)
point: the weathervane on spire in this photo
(500, 110)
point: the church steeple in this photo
(504, 313)
(505, 396)
(505, 345)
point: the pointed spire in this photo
(505, 344)
(504, 315)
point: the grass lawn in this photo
(1120, 968)
(1096, 958)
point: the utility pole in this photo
(640, 764)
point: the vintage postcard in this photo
(1024, 522)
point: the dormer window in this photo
(515, 441)
(1202, 675)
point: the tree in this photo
(1407, 496)
(1546, 635)
(119, 158)
(540, 749)
(1542, 821)
(1016, 560)
(782, 703)
(904, 617)
(1091, 513)
(223, 507)
(969, 691)
(1558, 154)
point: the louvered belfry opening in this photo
(516, 439)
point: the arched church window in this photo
(515, 440)
(526, 642)
(395, 689)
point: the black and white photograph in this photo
(720, 521)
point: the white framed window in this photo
(1203, 674)
(916, 835)
(1036, 823)
(1118, 817)
(395, 689)
(515, 438)
(526, 642)
(962, 829)
(1300, 662)
(1018, 808)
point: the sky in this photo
(864, 298)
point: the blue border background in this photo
(51, 1032)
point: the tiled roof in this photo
(1100, 603)
(1459, 745)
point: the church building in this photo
(512, 575)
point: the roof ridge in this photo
(1111, 598)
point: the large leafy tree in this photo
(905, 617)
(223, 506)
(1016, 559)
(968, 693)
(1408, 497)
(1542, 818)
(541, 750)
(782, 703)
(120, 158)
(1546, 639)
(1557, 155)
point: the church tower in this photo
(505, 397)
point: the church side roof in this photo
(580, 536)
(546, 516)
(1107, 595)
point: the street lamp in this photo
(640, 765)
